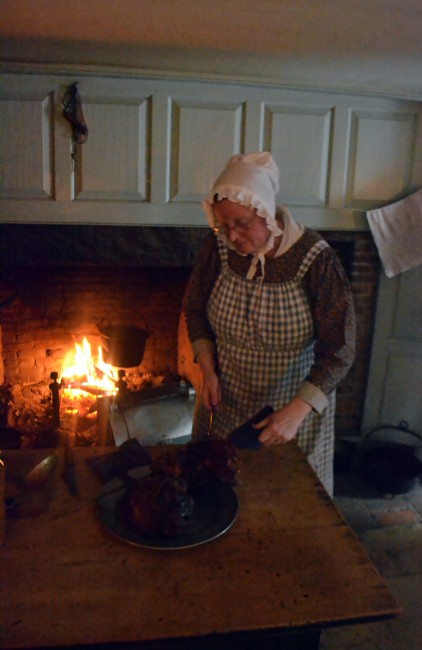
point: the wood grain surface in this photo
(289, 561)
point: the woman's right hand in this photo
(210, 389)
(211, 395)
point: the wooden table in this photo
(289, 564)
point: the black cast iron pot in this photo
(124, 345)
(390, 466)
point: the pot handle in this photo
(402, 426)
(106, 320)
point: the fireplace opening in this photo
(80, 335)
(113, 296)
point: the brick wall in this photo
(53, 309)
(363, 274)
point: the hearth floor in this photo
(391, 531)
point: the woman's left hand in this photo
(283, 425)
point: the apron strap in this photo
(223, 250)
(309, 258)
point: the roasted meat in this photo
(173, 462)
(208, 458)
(217, 458)
(157, 505)
(163, 503)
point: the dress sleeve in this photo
(333, 313)
(204, 274)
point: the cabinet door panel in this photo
(380, 157)
(299, 139)
(113, 163)
(26, 146)
(401, 399)
(204, 136)
(395, 376)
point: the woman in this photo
(270, 317)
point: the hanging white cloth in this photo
(397, 232)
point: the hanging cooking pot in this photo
(390, 466)
(123, 345)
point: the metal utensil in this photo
(41, 472)
(210, 422)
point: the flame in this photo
(81, 372)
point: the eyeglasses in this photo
(238, 226)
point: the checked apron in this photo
(264, 338)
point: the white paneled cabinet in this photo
(155, 146)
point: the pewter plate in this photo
(216, 508)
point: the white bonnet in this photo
(251, 180)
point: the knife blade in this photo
(210, 422)
(41, 472)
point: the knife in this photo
(69, 474)
(211, 421)
(41, 472)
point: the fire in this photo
(81, 372)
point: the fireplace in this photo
(61, 284)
